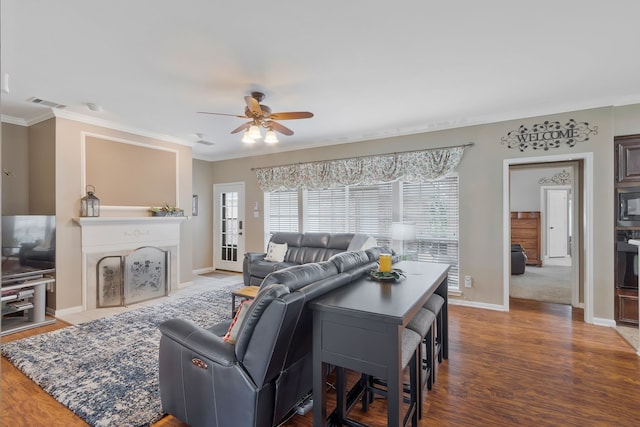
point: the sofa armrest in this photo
(254, 256)
(250, 257)
(199, 340)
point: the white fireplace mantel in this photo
(116, 232)
(89, 221)
(103, 235)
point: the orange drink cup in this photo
(385, 263)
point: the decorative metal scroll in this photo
(549, 135)
(561, 178)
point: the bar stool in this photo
(423, 323)
(411, 341)
(435, 304)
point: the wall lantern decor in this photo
(194, 205)
(549, 135)
(90, 204)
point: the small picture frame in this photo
(194, 205)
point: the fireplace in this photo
(127, 279)
(143, 250)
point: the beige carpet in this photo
(550, 283)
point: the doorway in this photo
(228, 226)
(541, 208)
(580, 224)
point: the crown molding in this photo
(51, 113)
(13, 120)
(117, 126)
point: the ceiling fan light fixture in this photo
(260, 116)
(254, 132)
(270, 137)
(247, 139)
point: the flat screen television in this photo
(28, 244)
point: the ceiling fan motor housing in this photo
(258, 96)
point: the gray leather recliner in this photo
(205, 381)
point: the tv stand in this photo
(24, 303)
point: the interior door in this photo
(557, 223)
(228, 226)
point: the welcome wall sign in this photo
(549, 135)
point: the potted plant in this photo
(166, 210)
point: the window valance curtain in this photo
(411, 166)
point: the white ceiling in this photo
(366, 69)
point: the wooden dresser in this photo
(525, 230)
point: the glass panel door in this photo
(228, 226)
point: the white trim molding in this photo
(586, 263)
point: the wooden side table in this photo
(248, 292)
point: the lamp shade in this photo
(403, 231)
(254, 132)
(246, 138)
(270, 137)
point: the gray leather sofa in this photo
(302, 248)
(205, 381)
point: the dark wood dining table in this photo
(359, 327)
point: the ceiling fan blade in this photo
(291, 115)
(242, 127)
(223, 114)
(279, 128)
(253, 105)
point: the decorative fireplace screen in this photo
(139, 276)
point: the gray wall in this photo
(480, 171)
(15, 161)
(525, 189)
(202, 225)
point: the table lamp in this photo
(403, 231)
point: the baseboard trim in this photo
(598, 321)
(476, 304)
(184, 284)
(203, 270)
(68, 311)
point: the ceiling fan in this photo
(261, 116)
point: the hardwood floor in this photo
(538, 365)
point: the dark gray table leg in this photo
(319, 393)
(445, 318)
(394, 379)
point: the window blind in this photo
(281, 209)
(325, 210)
(433, 207)
(370, 211)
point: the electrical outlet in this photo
(467, 281)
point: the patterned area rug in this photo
(106, 370)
